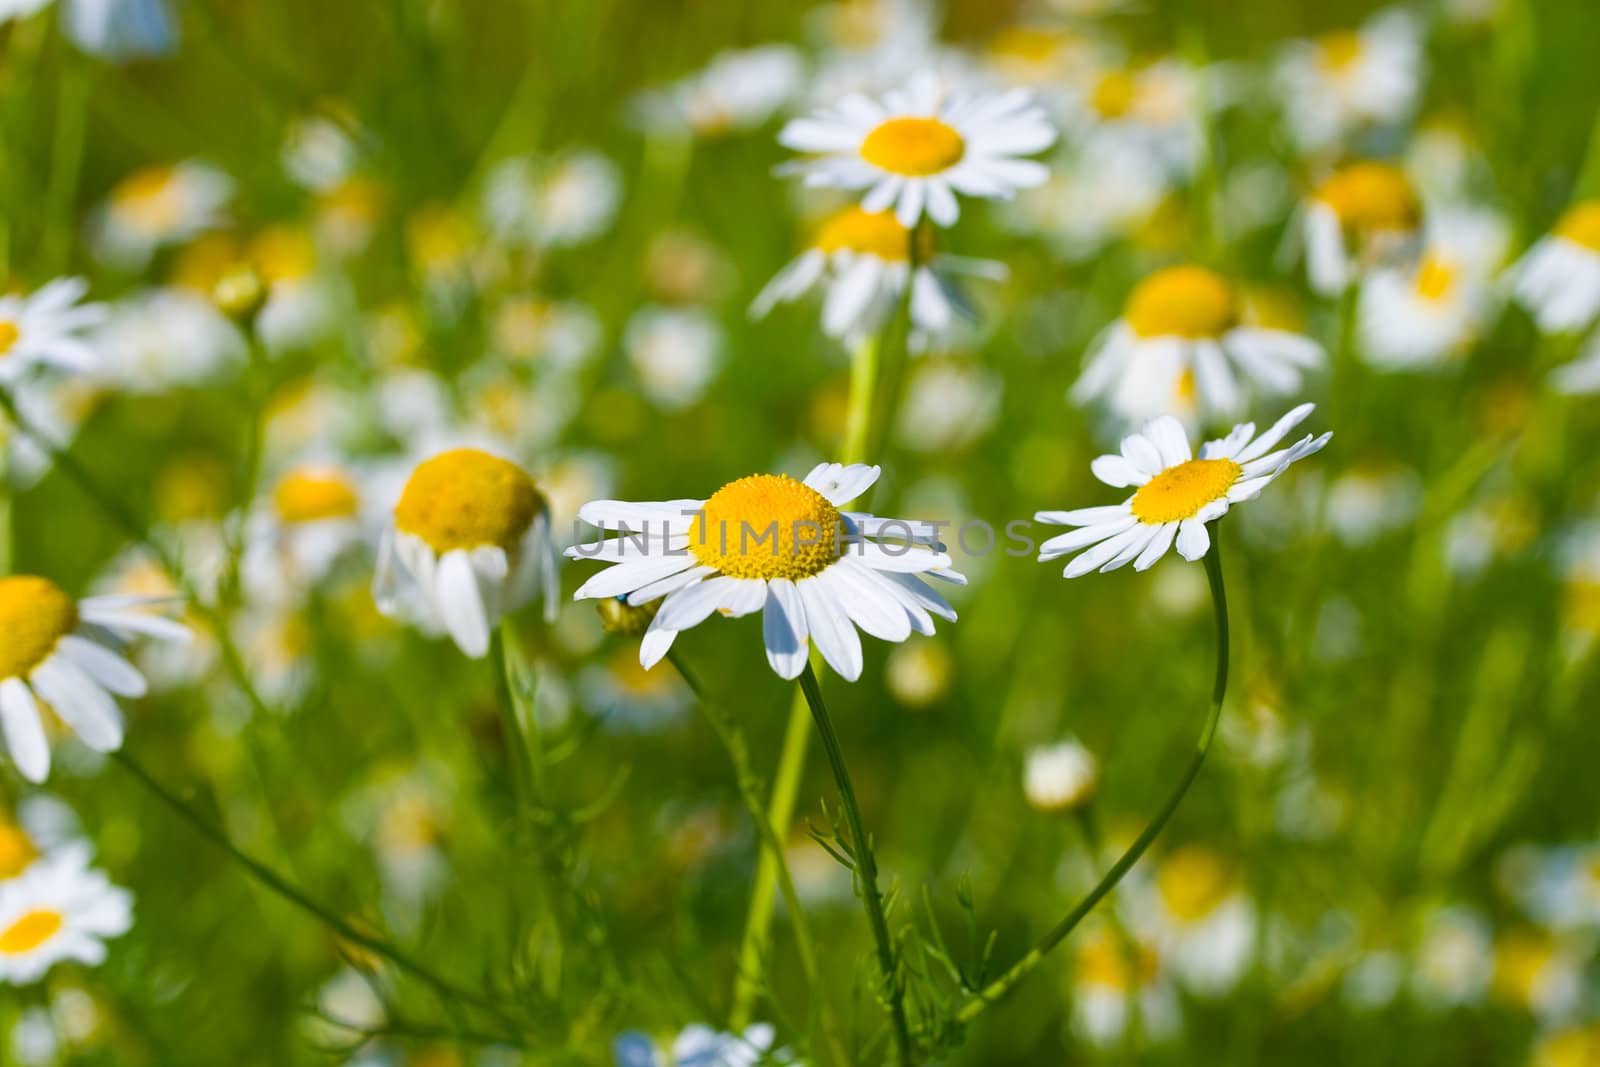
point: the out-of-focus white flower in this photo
(1150, 108)
(554, 203)
(1060, 777)
(949, 405)
(121, 30)
(1369, 501)
(1558, 280)
(558, 334)
(1454, 959)
(919, 673)
(1538, 973)
(676, 353)
(1363, 216)
(736, 91)
(313, 515)
(1345, 81)
(626, 696)
(1116, 978)
(159, 206)
(1202, 917)
(160, 339)
(319, 153)
(1104, 192)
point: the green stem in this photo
(281, 886)
(66, 161)
(997, 989)
(866, 868)
(520, 716)
(864, 364)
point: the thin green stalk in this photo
(520, 716)
(863, 389)
(66, 161)
(997, 989)
(285, 889)
(5, 507)
(866, 869)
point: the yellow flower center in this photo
(913, 147)
(149, 199)
(8, 336)
(283, 254)
(29, 932)
(1193, 881)
(467, 499)
(1581, 225)
(1114, 94)
(1182, 302)
(1520, 960)
(1027, 44)
(17, 850)
(1105, 961)
(1370, 197)
(1570, 1048)
(880, 235)
(314, 493)
(34, 615)
(1180, 492)
(766, 526)
(1340, 51)
(1436, 278)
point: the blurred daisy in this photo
(1182, 343)
(559, 334)
(1039, 56)
(1454, 958)
(55, 409)
(625, 696)
(1060, 777)
(1537, 973)
(949, 405)
(553, 204)
(1345, 81)
(1177, 494)
(1422, 315)
(319, 151)
(863, 262)
(1558, 280)
(1582, 375)
(1372, 499)
(58, 910)
(919, 673)
(675, 352)
(121, 30)
(17, 849)
(1205, 919)
(1116, 980)
(64, 656)
(1152, 108)
(736, 91)
(470, 542)
(1105, 192)
(782, 547)
(46, 329)
(1571, 1046)
(160, 339)
(1363, 216)
(159, 206)
(918, 147)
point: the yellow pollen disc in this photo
(880, 235)
(149, 199)
(283, 254)
(34, 615)
(1193, 881)
(1520, 960)
(913, 147)
(1436, 278)
(1114, 94)
(1372, 196)
(468, 499)
(30, 931)
(1105, 961)
(1182, 302)
(1180, 492)
(314, 493)
(17, 851)
(766, 526)
(8, 335)
(1340, 51)
(1580, 225)
(1027, 44)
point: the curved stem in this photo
(866, 867)
(285, 889)
(1006, 982)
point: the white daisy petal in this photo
(1193, 539)
(80, 703)
(783, 627)
(461, 604)
(831, 629)
(24, 730)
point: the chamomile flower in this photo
(1539, 973)
(736, 91)
(58, 910)
(1152, 108)
(159, 206)
(627, 698)
(1205, 919)
(1363, 216)
(1419, 316)
(1176, 495)
(1345, 81)
(1060, 777)
(771, 544)
(917, 147)
(1558, 280)
(160, 339)
(1106, 192)
(64, 656)
(1116, 979)
(312, 517)
(675, 352)
(553, 204)
(471, 541)
(949, 405)
(1182, 335)
(1454, 958)
(864, 262)
(46, 329)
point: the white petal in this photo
(107, 668)
(831, 629)
(626, 577)
(841, 483)
(461, 607)
(783, 627)
(1158, 546)
(865, 603)
(1193, 539)
(82, 705)
(1117, 472)
(24, 732)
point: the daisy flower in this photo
(1176, 494)
(57, 910)
(1152, 108)
(1454, 958)
(1421, 316)
(159, 206)
(1182, 332)
(470, 541)
(736, 91)
(1206, 920)
(1558, 280)
(1060, 777)
(918, 147)
(1119, 982)
(1108, 190)
(553, 204)
(863, 262)
(66, 654)
(782, 547)
(676, 353)
(45, 329)
(1364, 215)
(311, 518)
(160, 339)
(1344, 81)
